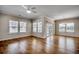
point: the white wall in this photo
(76, 27)
(0, 28)
(4, 29)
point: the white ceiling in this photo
(51, 11)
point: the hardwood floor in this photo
(34, 45)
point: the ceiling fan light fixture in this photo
(28, 11)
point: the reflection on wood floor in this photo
(33, 45)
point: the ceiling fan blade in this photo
(24, 7)
(34, 11)
(33, 8)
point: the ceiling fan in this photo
(29, 9)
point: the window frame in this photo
(9, 26)
(49, 29)
(39, 26)
(68, 25)
(25, 27)
(34, 26)
(62, 25)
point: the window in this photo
(67, 27)
(62, 27)
(48, 32)
(70, 27)
(49, 29)
(13, 26)
(39, 26)
(34, 26)
(22, 26)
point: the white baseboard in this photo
(39, 36)
(13, 37)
